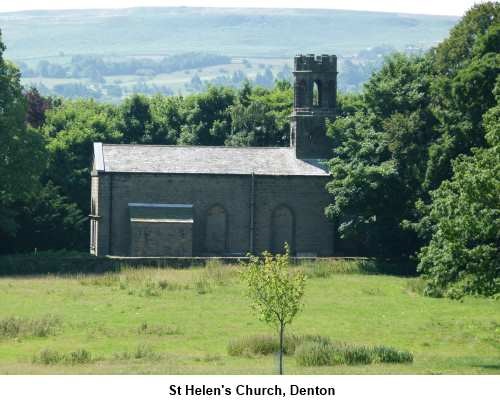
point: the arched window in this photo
(282, 229)
(216, 230)
(317, 93)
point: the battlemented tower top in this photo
(315, 63)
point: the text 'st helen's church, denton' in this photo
(152, 200)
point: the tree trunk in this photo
(282, 332)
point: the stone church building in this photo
(150, 200)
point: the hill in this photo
(233, 32)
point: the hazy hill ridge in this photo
(234, 32)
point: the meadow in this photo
(189, 321)
(177, 81)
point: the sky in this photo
(437, 7)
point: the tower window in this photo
(317, 93)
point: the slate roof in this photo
(204, 160)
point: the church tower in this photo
(315, 93)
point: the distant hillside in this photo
(233, 32)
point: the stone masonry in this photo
(241, 199)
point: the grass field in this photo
(181, 322)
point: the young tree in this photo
(275, 291)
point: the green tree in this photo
(166, 119)
(260, 117)
(70, 131)
(206, 117)
(455, 51)
(48, 220)
(463, 219)
(465, 67)
(276, 291)
(21, 151)
(137, 120)
(379, 159)
(396, 142)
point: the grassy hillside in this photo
(181, 321)
(234, 32)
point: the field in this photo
(181, 322)
(177, 82)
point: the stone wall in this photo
(161, 239)
(305, 196)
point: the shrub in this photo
(142, 351)
(266, 344)
(80, 356)
(13, 327)
(10, 327)
(314, 354)
(259, 345)
(324, 353)
(49, 356)
(351, 355)
(384, 354)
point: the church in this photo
(182, 201)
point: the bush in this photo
(266, 344)
(14, 327)
(259, 345)
(384, 354)
(142, 351)
(49, 356)
(80, 356)
(324, 353)
(352, 355)
(314, 354)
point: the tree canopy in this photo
(21, 156)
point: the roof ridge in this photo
(196, 146)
